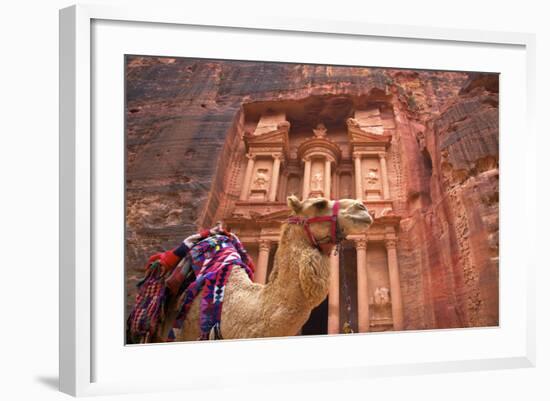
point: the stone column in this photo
(283, 187)
(274, 177)
(334, 295)
(327, 179)
(260, 275)
(336, 185)
(384, 173)
(362, 287)
(247, 177)
(307, 178)
(358, 177)
(395, 285)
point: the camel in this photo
(298, 282)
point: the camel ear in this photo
(294, 203)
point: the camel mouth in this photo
(359, 224)
(363, 220)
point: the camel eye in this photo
(321, 204)
(360, 206)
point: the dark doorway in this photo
(348, 307)
(318, 320)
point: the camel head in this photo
(353, 216)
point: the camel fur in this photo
(298, 282)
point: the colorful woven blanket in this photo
(212, 261)
(148, 310)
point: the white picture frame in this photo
(80, 154)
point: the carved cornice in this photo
(367, 150)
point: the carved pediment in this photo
(320, 146)
(276, 140)
(360, 136)
(277, 136)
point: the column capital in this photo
(264, 244)
(357, 155)
(278, 156)
(361, 244)
(251, 156)
(260, 275)
(382, 155)
(306, 159)
(391, 243)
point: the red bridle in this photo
(305, 222)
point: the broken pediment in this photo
(363, 135)
(269, 122)
(269, 141)
(370, 120)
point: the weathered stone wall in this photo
(448, 248)
(443, 171)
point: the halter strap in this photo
(305, 222)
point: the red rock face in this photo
(181, 121)
(449, 234)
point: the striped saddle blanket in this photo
(211, 261)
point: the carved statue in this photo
(372, 176)
(261, 179)
(317, 181)
(320, 131)
(381, 296)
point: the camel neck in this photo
(294, 259)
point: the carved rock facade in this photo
(212, 140)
